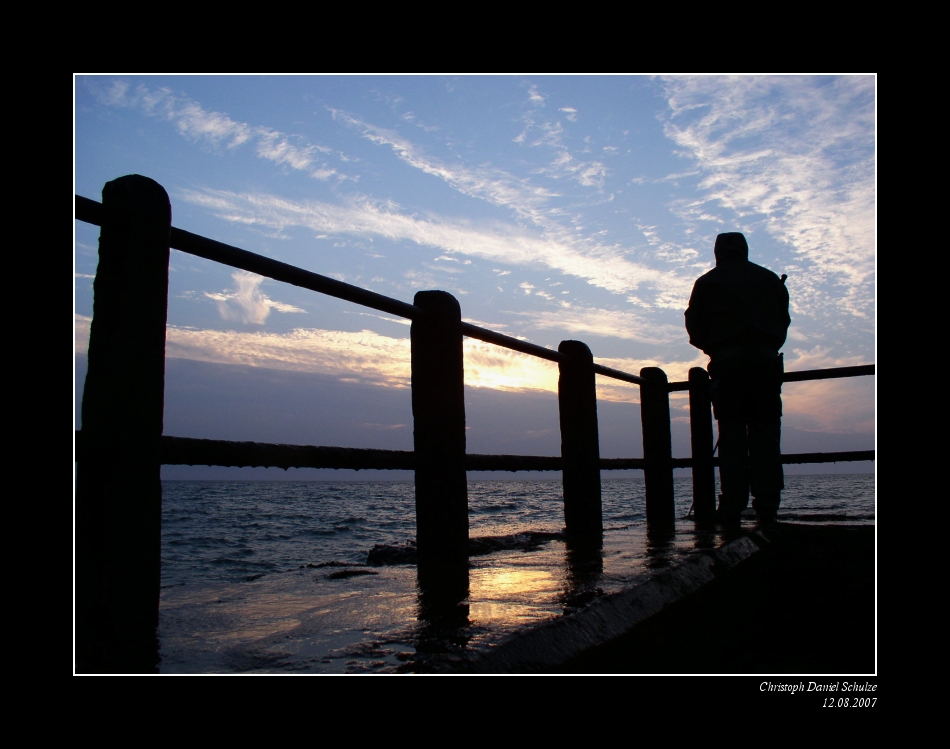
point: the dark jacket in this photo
(737, 304)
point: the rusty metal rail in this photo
(186, 451)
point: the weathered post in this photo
(438, 411)
(657, 446)
(118, 487)
(580, 443)
(701, 441)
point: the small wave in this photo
(343, 574)
(241, 563)
(525, 541)
(407, 553)
(333, 563)
(824, 517)
(384, 555)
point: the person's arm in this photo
(784, 303)
(697, 324)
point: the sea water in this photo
(318, 577)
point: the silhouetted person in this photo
(738, 315)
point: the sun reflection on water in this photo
(512, 594)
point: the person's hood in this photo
(731, 246)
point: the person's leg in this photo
(767, 478)
(733, 471)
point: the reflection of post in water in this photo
(444, 621)
(585, 568)
(660, 545)
(707, 537)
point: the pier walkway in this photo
(793, 599)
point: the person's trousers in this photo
(750, 458)
(746, 393)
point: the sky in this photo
(552, 207)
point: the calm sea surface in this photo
(278, 577)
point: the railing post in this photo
(118, 487)
(657, 446)
(438, 410)
(701, 442)
(580, 442)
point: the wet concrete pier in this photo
(792, 599)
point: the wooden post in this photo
(118, 502)
(438, 410)
(580, 443)
(701, 441)
(657, 446)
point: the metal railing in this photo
(184, 451)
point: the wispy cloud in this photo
(614, 390)
(397, 320)
(215, 128)
(528, 201)
(602, 266)
(794, 155)
(676, 371)
(569, 112)
(493, 185)
(588, 173)
(843, 406)
(489, 366)
(602, 322)
(557, 246)
(362, 356)
(819, 357)
(81, 325)
(550, 134)
(246, 302)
